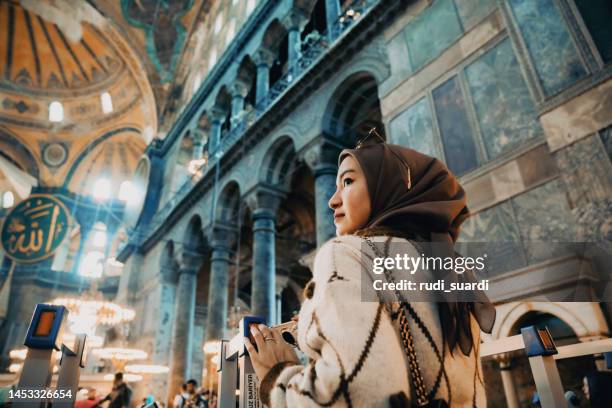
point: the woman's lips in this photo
(338, 216)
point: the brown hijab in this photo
(415, 194)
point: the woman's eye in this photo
(347, 181)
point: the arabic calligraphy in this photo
(34, 229)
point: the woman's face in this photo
(351, 201)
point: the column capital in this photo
(264, 198)
(217, 115)
(189, 261)
(295, 19)
(263, 57)
(322, 157)
(221, 235)
(239, 88)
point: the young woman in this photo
(388, 353)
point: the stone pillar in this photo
(199, 139)
(217, 116)
(239, 91)
(281, 284)
(323, 161)
(332, 13)
(219, 285)
(508, 382)
(263, 293)
(294, 23)
(184, 315)
(263, 59)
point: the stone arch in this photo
(17, 153)
(203, 122)
(247, 74)
(223, 108)
(193, 237)
(279, 163)
(273, 35)
(276, 41)
(574, 316)
(354, 108)
(228, 206)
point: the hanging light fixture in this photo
(146, 369)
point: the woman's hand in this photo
(271, 350)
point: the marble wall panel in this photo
(414, 128)
(586, 171)
(473, 11)
(455, 130)
(549, 43)
(545, 221)
(505, 110)
(432, 32)
(496, 228)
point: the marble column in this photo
(263, 59)
(294, 23)
(217, 116)
(184, 315)
(199, 139)
(332, 13)
(239, 91)
(219, 285)
(263, 292)
(508, 383)
(323, 160)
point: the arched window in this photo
(92, 265)
(212, 59)
(231, 30)
(218, 23)
(250, 6)
(56, 112)
(101, 189)
(8, 199)
(107, 102)
(127, 192)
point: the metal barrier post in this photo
(228, 369)
(540, 348)
(235, 367)
(70, 371)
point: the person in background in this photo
(91, 401)
(181, 398)
(120, 396)
(194, 397)
(597, 388)
(572, 399)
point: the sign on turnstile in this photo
(236, 369)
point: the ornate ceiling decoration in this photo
(67, 54)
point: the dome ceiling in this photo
(71, 109)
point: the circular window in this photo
(54, 154)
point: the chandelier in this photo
(86, 314)
(119, 353)
(146, 369)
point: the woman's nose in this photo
(334, 201)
